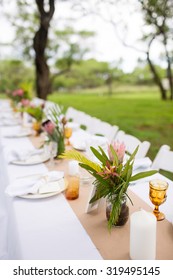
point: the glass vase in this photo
(61, 146)
(53, 147)
(124, 211)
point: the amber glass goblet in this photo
(67, 134)
(36, 126)
(157, 194)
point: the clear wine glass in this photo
(53, 148)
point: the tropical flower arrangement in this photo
(35, 111)
(112, 174)
(18, 95)
(54, 128)
(25, 103)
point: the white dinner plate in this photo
(9, 123)
(32, 160)
(78, 147)
(24, 133)
(45, 195)
(39, 195)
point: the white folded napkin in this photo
(17, 132)
(10, 122)
(35, 184)
(6, 116)
(21, 154)
(78, 138)
(142, 163)
(78, 145)
(73, 125)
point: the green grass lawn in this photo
(136, 110)
(140, 113)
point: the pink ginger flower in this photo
(108, 171)
(32, 105)
(49, 127)
(119, 148)
(18, 92)
(25, 102)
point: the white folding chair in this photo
(131, 142)
(72, 113)
(84, 119)
(37, 101)
(95, 126)
(98, 127)
(79, 117)
(109, 131)
(164, 159)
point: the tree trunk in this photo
(109, 84)
(156, 78)
(170, 79)
(169, 70)
(43, 83)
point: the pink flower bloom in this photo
(25, 102)
(119, 148)
(108, 171)
(49, 127)
(18, 92)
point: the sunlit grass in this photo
(136, 110)
(141, 113)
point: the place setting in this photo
(82, 141)
(9, 121)
(27, 157)
(37, 186)
(22, 132)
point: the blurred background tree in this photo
(158, 16)
(62, 57)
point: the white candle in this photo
(73, 168)
(143, 236)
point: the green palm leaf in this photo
(72, 154)
(114, 154)
(143, 175)
(98, 155)
(103, 153)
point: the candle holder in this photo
(157, 194)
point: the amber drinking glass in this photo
(157, 194)
(72, 191)
(67, 134)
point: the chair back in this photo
(163, 159)
(131, 142)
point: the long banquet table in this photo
(55, 228)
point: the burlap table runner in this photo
(113, 245)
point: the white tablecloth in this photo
(48, 228)
(141, 188)
(42, 228)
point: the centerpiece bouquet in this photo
(54, 128)
(112, 175)
(37, 114)
(18, 95)
(35, 111)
